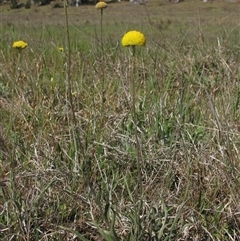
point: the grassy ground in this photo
(78, 162)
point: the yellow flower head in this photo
(133, 38)
(19, 45)
(61, 49)
(100, 5)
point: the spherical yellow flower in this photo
(61, 49)
(100, 5)
(19, 45)
(133, 38)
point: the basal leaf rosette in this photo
(101, 5)
(133, 38)
(19, 44)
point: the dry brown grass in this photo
(187, 110)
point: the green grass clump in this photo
(68, 172)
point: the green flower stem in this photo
(73, 121)
(102, 62)
(19, 59)
(138, 145)
(18, 69)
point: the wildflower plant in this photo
(19, 45)
(133, 39)
(101, 6)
